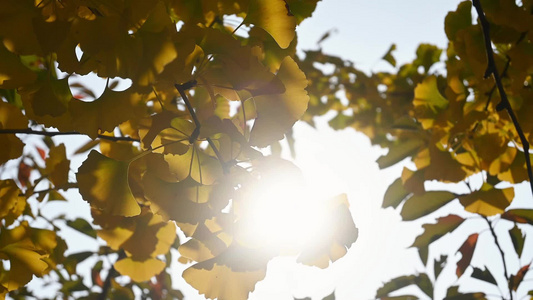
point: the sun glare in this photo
(282, 213)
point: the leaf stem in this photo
(194, 136)
(56, 133)
(502, 256)
(504, 103)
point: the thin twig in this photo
(194, 136)
(56, 133)
(502, 256)
(504, 103)
(110, 275)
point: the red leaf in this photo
(79, 96)
(517, 279)
(24, 174)
(467, 251)
(97, 279)
(42, 153)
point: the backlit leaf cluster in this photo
(212, 83)
(445, 114)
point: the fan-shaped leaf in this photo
(103, 182)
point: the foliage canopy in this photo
(181, 145)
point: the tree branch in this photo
(504, 103)
(502, 256)
(194, 136)
(56, 133)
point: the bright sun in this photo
(282, 213)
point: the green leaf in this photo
(454, 294)
(398, 152)
(439, 265)
(420, 280)
(388, 56)
(457, 20)
(484, 275)
(330, 296)
(519, 216)
(433, 232)
(487, 201)
(518, 239)
(420, 205)
(82, 226)
(395, 194)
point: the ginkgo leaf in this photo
(457, 20)
(50, 96)
(12, 204)
(103, 182)
(421, 205)
(10, 118)
(195, 164)
(277, 113)
(433, 232)
(183, 201)
(26, 250)
(467, 251)
(154, 132)
(275, 18)
(341, 235)
(125, 233)
(57, 165)
(106, 112)
(139, 270)
(487, 201)
(302, 9)
(428, 102)
(13, 73)
(232, 275)
(519, 215)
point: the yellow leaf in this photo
(143, 236)
(276, 114)
(11, 204)
(195, 164)
(428, 101)
(10, 118)
(106, 112)
(25, 248)
(487, 201)
(333, 244)
(183, 201)
(49, 96)
(103, 182)
(57, 165)
(13, 74)
(139, 270)
(275, 18)
(231, 275)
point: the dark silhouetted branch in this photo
(57, 133)
(504, 102)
